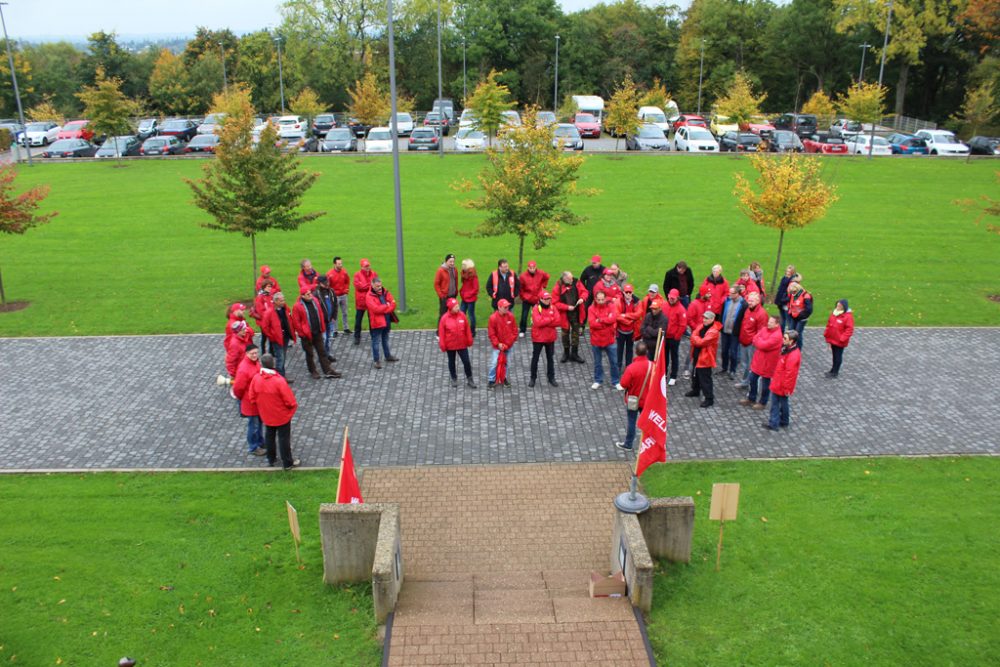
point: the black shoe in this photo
(295, 464)
(830, 374)
(314, 375)
(347, 331)
(574, 355)
(768, 427)
(531, 382)
(621, 445)
(491, 385)
(357, 341)
(706, 404)
(506, 383)
(333, 374)
(691, 394)
(553, 382)
(454, 382)
(289, 381)
(470, 383)
(565, 356)
(392, 359)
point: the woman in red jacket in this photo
(786, 374)
(469, 292)
(838, 332)
(455, 338)
(544, 320)
(704, 346)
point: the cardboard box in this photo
(607, 587)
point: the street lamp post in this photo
(864, 50)
(555, 90)
(17, 93)
(443, 118)
(701, 73)
(400, 264)
(881, 72)
(225, 78)
(465, 93)
(281, 74)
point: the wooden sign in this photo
(293, 523)
(725, 500)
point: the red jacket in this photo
(720, 292)
(362, 283)
(695, 313)
(502, 329)
(839, 329)
(271, 325)
(677, 320)
(454, 332)
(236, 349)
(378, 312)
(245, 374)
(613, 292)
(441, 280)
(532, 286)
(260, 283)
(273, 399)
(470, 287)
(543, 324)
(603, 321)
(749, 285)
(262, 303)
(564, 308)
(766, 350)
(311, 281)
(634, 377)
(630, 318)
(300, 319)
(340, 281)
(707, 345)
(786, 373)
(754, 319)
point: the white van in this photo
(655, 116)
(591, 104)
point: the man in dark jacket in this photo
(309, 321)
(732, 321)
(590, 275)
(679, 278)
(278, 329)
(503, 284)
(654, 322)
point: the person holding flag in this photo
(635, 382)
(502, 331)
(652, 419)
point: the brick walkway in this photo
(498, 561)
(151, 402)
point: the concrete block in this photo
(668, 526)
(630, 555)
(387, 568)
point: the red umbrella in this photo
(502, 367)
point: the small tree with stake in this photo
(490, 99)
(789, 194)
(250, 189)
(739, 104)
(623, 110)
(18, 212)
(108, 108)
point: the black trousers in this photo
(550, 366)
(671, 349)
(283, 434)
(442, 306)
(838, 358)
(525, 309)
(462, 354)
(701, 381)
(308, 346)
(626, 342)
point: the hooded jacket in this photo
(543, 324)
(719, 287)
(786, 373)
(766, 350)
(840, 328)
(273, 398)
(454, 332)
(245, 373)
(532, 285)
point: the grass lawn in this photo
(175, 569)
(846, 562)
(127, 255)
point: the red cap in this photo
(546, 295)
(305, 289)
(608, 272)
(451, 303)
(628, 288)
(656, 302)
(504, 303)
(674, 293)
(237, 306)
(365, 264)
(265, 270)
(596, 258)
(532, 265)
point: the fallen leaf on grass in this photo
(336, 636)
(914, 556)
(211, 612)
(250, 611)
(58, 660)
(868, 472)
(764, 519)
(13, 589)
(57, 578)
(180, 608)
(61, 601)
(258, 629)
(166, 588)
(296, 611)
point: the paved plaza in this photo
(152, 402)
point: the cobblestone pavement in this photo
(152, 402)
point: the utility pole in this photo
(225, 78)
(881, 71)
(864, 50)
(281, 74)
(555, 92)
(465, 94)
(17, 93)
(701, 74)
(400, 264)
(444, 119)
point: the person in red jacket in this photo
(676, 326)
(278, 330)
(235, 313)
(502, 330)
(265, 274)
(695, 313)
(248, 369)
(786, 374)
(570, 298)
(635, 382)
(469, 292)
(381, 308)
(717, 284)
(241, 336)
(362, 283)
(340, 283)
(704, 347)
(309, 322)
(800, 307)
(754, 319)
(263, 302)
(609, 286)
(455, 339)
(446, 283)
(544, 320)
(603, 316)
(308, 276)
(274, 401)
(838, 332)
(629, 324)
(767, 349)
(533, 283)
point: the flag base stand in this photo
(631, 501)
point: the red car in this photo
(690, 120)
(76, 129)
(761, 129)
(587, 125)
(824, 143)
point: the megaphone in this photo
(221, 380)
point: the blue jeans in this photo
(765, 388)
(798, 326)
(380, 334)
(494, 355)
(780, 412)
(469, 308)
(255, 433)
(278, 352)
(746, 355)
(612, 352)
(630, 418)
(729, 351)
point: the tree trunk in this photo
(520, 256)
(777, 263)
(904, 73)
(3, 295)
(253, 245)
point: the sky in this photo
(34, 19)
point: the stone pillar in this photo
(630, 555)
(668, 526)
(387, 570)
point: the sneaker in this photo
(746, 402)
(596, 385)
(619, 387)
(768, 427)
(758, 406)
(454, 382)
(295, 464)
(621, 445)
(334, 374)
(391, 359)
(378, 365)
(259, 451)
(741, 385)
(520, 335)
(672, 382)
(706, 404)
(687, 375)
(491, 385)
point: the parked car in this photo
(123, 146)
(404, 124)
(182, 128)
(825, 143)
(655, 116)
(359, 129)
(784, 141)
(509, 119)
(566, 137)
(689, 120)
(761, 129)
(70, 148)
(291, 127)
(859, 143)
(40, 134)
(984, 145)
(544, 119)
(587, 125)
(203, 143)
(649, 137)
(339, 140)
(76, 129)
(168, 144)
(802, 124)
(379, 140)
(842, 127)
(447, 106)
(695, 139)
(721, 124)
(942, 142)
(148, 127)
(737, 142)
(323, 123)
(467, 119)
(437, 120)
(423, 139)
(906, 144)
(469, 139)
(212, 123)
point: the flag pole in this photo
(340, 474)
(631, 501)
(656, 359)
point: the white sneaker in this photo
(520, 335)
(596, 385)
(672, 382)
(619, 387)
(687, 374)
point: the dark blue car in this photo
(907, 144)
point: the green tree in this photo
(739, 103)
(56, 71)
(170, 87)
(526, 188)
(790, 194)
(307, 105)
(18, 211)
(567, 110)
(250, 189)
(490, 99)
(656, 96)
(370, 104)
(622, 116)
(821, 106)
(24, 82)
(865, 103)
(45, 110)
(979, 108)
(107, 107)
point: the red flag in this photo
(501, 367)
(653, 418)
(348, 489)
